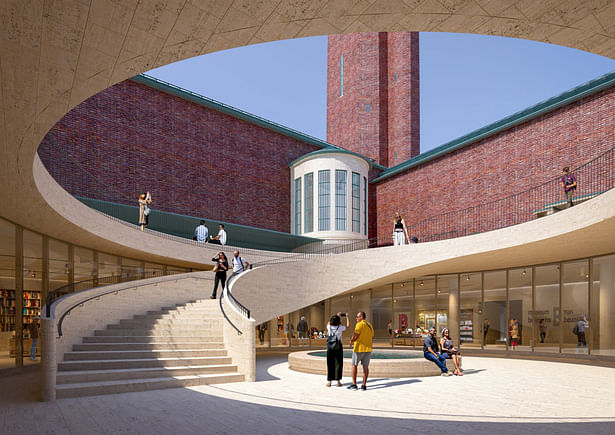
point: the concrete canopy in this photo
(55, 54)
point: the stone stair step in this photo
(152, 339)
(141, 354)
(205, 323)
(124, 386)
(90, 347)
(140, 363)
(161, 332)
(81, 376)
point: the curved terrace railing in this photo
(96, 282)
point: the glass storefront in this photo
(47, 264)
(566, 307)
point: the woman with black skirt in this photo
(335, 358)
(221, 267)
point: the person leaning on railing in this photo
(145, 199)
(569, 183)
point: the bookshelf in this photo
(31, 308)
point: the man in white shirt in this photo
(239, 264)
(201, 233)
(220, 239)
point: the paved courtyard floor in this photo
(495, 396)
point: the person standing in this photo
(239, 264)
(430, 351)
(399, 230)
(569, 183)
(201, 233)
(335, 358)
(145, 199)
(261, 332)
(220, 268)
(542, 328)
(34, 336)
(220, 239)
(302, 331)
(362, 349)
(485, 330)
(582, 324)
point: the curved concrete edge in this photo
(241, 346)
(578, 232)
(386, 368)
(111, 304)
(91, 228)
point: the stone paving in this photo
(495, 395)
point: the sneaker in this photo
(445, 374)
(364, 387)
(353, 387)
(212, 297)
(34, 359)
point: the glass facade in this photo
(308, 199)
(32, 265)
(561, 308)
(340, 199)
(356, 202)
(298, 206)
(324, 201)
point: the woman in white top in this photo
(335, 358)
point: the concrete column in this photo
(45, 277)
(18, 296)
(48, 359)
(607, 306)
(453, 309)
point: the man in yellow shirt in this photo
(362, 350)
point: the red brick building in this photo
(373, 95)
(202, 158)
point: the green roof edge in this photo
(336, 151)
(193, 97)
(587, 89)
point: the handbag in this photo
(147, 211)
(333, 343)
(216, 267)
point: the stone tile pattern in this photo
(381, 70)
(504, 164)
(196, 161)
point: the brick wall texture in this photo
(196, 161)
(378, 114)
(515, 160)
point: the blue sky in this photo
(467, 81)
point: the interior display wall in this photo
(196, 161)
(504, 164)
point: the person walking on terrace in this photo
(430, 351)
(399, 230)
(362, 349)
(201, 233)
(220, 239)
(145, 199)
(239, 264)
(335, 357)
(220, 268)
(569, 183)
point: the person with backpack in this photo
(579, 331)
(239, 264)
(335, 351)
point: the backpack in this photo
(333, 343)
(575, 330)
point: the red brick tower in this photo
(373, 95)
